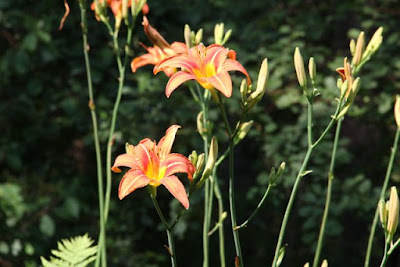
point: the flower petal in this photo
(231, 65)
(216, 55)
(165, 143)
(125, 160)
(143, 60)
(176, 80)
(131, 181)
(176, 188)
(177, 163)
(178, 61)
(143, 152)
(222, 82)
(179, 48)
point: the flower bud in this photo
(200, 125)
(324, 263)
(352, 47)
(212, 156)
(359, 49)
(199, 36)
(129, 149)
(199, 165)
(281, 169)
(306, 265)
(244, 89)
(383, 214)
(393, 211)
(193, 157)
(244, 129)
(262, 82)
(186, 33)
(354, 89)
(218, 32)
(374, 43)
(227, 36)
(397, 111)
(299, 66)
(312, 70)
(124, 8)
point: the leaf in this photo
(77, 252)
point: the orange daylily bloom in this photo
(161, 50)
(153, 164)
(116, 7)
(346, 75)
(209, 66)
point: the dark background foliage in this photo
(48, 185)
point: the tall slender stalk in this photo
(328, 194)
(303, 167)
(221, 227)
(207, 206)
(171, 243)
(232, 185)
(95, 132)
(382, 195)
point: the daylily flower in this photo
(161, 50)
(346, 75)
(116, 7)
(209, 66)
(153, 164)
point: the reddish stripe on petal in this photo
(216, 55)
(125, 160)
(233, 65)
(177, 163)
(176, 80)
(165, 144)
(222, 82)
(179, 61)
(142, 153)
(131, 181)
(176, 188)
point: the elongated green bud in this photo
(199, 36)
(212, 158)
(374, 43)
(199, 165)
(393, 211)
(187, 33)
(244, 129)
(226, 36)
(218, 33)
(383, 214)
(193, 157)
(299, 66)
(312, 69)
(200, 125)
(262, 82)
(397, 111)
(359, 49)
(352, 47)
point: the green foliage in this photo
(75, 252)
(47, 148)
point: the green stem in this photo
(296, 184)
(207, 207)
(121, 79)
(232, 184)
(171, 243)
(393, 247)
(382, 195)
(328, 194)
(385, 254)
(221, 227)
(256, 209)
(95, 133)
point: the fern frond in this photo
(75, 252)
